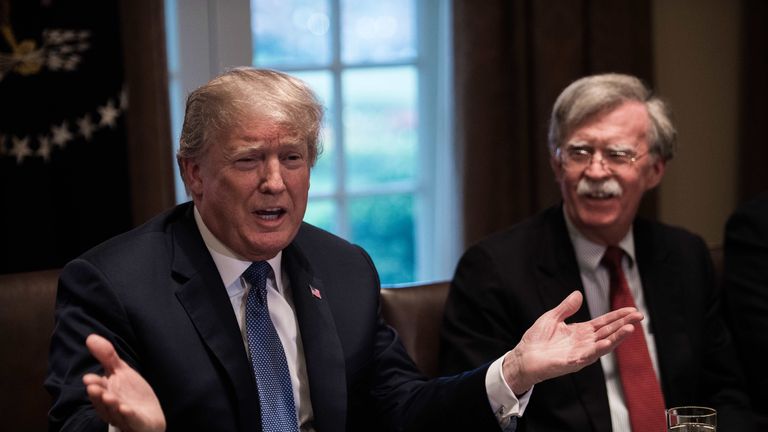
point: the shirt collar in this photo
(588, 253)
(229, 264)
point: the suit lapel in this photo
(322, 348)
(558, 276)
(662, 291)
(205, 300)
(558, 272)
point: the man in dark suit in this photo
(231, 314)
(609, 139)
(746, 295)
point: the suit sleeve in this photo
(476, 328)
(407, 401)
(746, 294)
(84, 305)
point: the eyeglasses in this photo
(579, 157)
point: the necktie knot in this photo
(256, 274)
(612, 258)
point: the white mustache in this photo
(600, 189)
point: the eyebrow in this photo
(621, 146)
(281, 138)
(258, 145)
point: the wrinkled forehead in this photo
(623, 117)
(257, 126)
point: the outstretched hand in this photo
(551, 348)
(121, 397)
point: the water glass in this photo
(691, 419)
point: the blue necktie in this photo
(278, 412)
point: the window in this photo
(385, 179)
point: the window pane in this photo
(290, 32)
(322, 214)
(376, 31)
(383, 226)
(380, 125)
(323, 173)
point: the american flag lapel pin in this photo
(315, 292)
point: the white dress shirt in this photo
(596, 281)
(281, 311)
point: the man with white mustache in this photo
(609, 140)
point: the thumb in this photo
(568, 306)
(104, 352)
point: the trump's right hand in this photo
(121, 397)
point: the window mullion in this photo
(342, 218)
(425, 219)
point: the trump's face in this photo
(601, 193)
(251, 188)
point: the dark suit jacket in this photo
(746, 295)
(156, 294)
(504, 283)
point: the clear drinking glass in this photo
(691, 419)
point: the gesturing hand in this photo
(551, 348)
(121, 397)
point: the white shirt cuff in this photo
(503, 401)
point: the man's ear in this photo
(190, 172)
(656, 172)
(557, 167)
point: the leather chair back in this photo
(416, 312)
(26, 323)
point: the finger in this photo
(608, 344)
(102, 412)
(94, 379)
(622, 333)
(96, 395)
(627, 315)
(631, 319)
(568, 306)
(95, 392)
(117, 419)
(104, 352)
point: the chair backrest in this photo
(26, 323)
(416, 312)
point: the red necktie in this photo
(642, 391)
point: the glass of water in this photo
(691, 419)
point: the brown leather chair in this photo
(416, 312)
(26, 322)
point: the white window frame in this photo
(205, 37)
